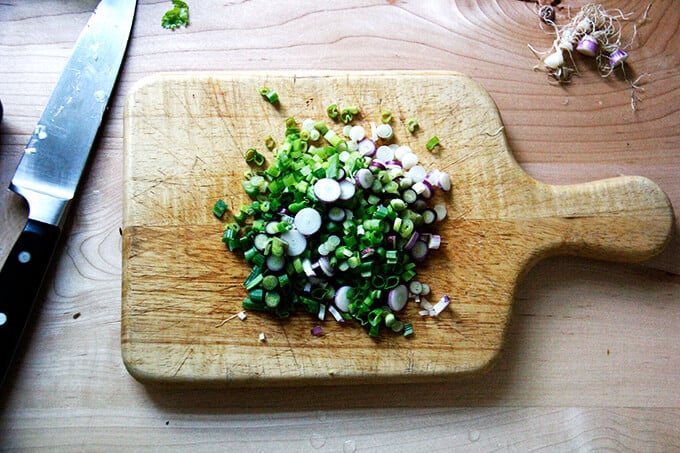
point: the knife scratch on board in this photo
(188, 352)
(290, 348)
(411, 362)
(197, 160)
(156, 183)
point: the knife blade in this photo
(51, 167)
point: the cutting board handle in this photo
(625, 219)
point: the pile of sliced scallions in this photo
(337, 225)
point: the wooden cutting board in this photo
(185, 135)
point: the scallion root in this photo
(593, 32)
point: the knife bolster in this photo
(43, 207)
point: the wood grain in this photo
(591, 359)
(185, 135)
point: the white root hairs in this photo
(605, 28)
(635, 88)
(645, 16)
(593, 20)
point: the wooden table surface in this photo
(592, 359)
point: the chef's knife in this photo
(50, 169)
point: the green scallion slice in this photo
(431, 143)
(220, 208)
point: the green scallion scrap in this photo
(177, 16)
(269, 143)
(332, 111)
(220, 208)
(431, 143)
(271, 95)
(412, 124)
(385, 116)
(253, 157)
(347, 115)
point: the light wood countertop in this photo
(592, 357)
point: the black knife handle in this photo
(20, 281)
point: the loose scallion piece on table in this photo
(347, 115)
(177, 16)
(269, 94)
(220, 208)
(269, 143)
(332, 111)
(336, 226)
(253, 157)
(431, 143)
(412, 124)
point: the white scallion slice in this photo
(347, 189)
(401, 151)
(384, 154)
(364, 177)
(325, 266)
(336, 213)
(323, 250)
(366, 147)
(422, 189)
(444, 181)
(308, 269)
(409, 160)
(417, 173)
(297, 242)
(327, 190)
(415, 287)
(344, 156)
(308, 124)
(419, 251)
(307, 221)
(335, 313)
(429, 216)
(441, 305)
(440, 210)
(434, 242)
(342, 298)
(260, 241)
(271, 228)
(276, 263)
(384, 131)
(397, 298)
(334, 241)
(357, 133)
